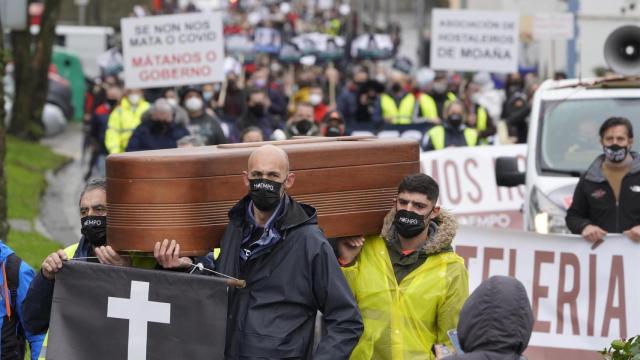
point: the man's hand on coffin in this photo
(167, 254)
(106, 255)
(52, 264)
(349, 248)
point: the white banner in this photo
(581, 298)
(466, 40)
(552, 26)
(173, 50)
(468, 188)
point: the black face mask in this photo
(112, 102)
(94, 229)
(455, 120)
(333, 131)
(303, 126)
(396, 88)
(265, 193)
(158, 127)
(409, 224)
(615, 153)
(257, 110)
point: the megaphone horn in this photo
(622, 50)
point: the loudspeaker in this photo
(622, 50)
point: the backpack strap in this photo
(11, 272)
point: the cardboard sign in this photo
(173, 50)
(554, 26)
(465, 40)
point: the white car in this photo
(563, 140)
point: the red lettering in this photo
(539, 291)
(490, 254)
(475, 199)
(211, 56)
(138, 61)
(467, 252)
(434, 170)
(569, 297)
(616, 312)
(451, 180)
(512, 263)
(592, 295)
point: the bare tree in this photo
(32, 57)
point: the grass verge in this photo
(26, 164)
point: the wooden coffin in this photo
(185, 194)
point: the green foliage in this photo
(623, 350)
(31, 247)
(26, 164)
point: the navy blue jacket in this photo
(273, 317)
(145, 138)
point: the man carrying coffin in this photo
(408, 282)
(275, 244)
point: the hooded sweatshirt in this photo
(495, 322)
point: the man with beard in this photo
(159, 132)
(409, 284)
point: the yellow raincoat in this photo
(403, 321)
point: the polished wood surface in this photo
(185, 194)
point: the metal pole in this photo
(464, 4)
(387, 12)
(374, 15)
(361, 10)
(572, 53)
(82, 14)
(420, 13)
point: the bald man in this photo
(275, 244)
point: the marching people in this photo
(409, 284)
(607, 196)
(275, 244)
(124, 119)
(453, 132)
(160, 131)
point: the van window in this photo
(569, 140)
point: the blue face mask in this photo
(207, 95)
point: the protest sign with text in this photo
(581, 298)
(173, 50)
(468, 187)
(465, 40)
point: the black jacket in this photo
(594, 202)
(274, 316)
(495, 322)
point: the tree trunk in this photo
(41, 60)
(21, 110)
(4, 225)
(31, 60)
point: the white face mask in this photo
(134, 99)
(173, 102)
(193, 104)
(315, 99)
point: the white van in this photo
(563, 140)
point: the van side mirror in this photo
(507, 173)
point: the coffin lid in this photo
(231, 159)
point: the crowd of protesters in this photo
(267, 97)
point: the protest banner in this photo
(109, 312)
(466, 40)
(581, 298)
(553, 26)
(468, 188)
(172, 50)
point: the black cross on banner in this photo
(108, 312)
